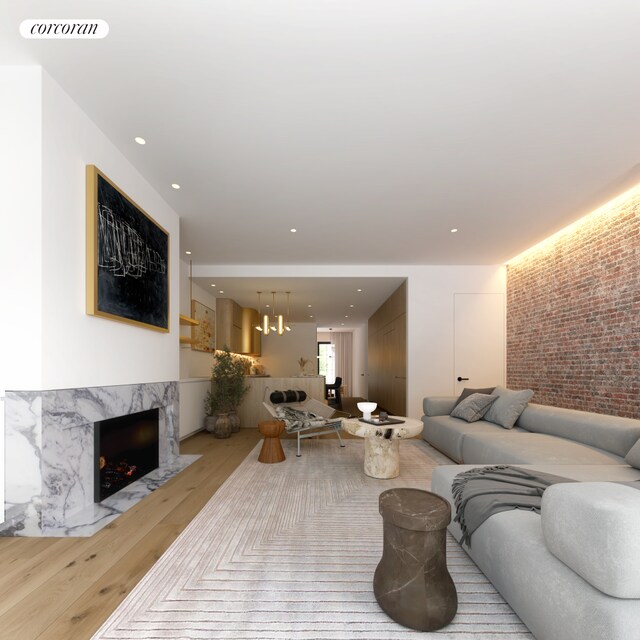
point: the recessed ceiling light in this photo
(266, 305)
(293, 230)
(175, 185)
(454, 231)
(346, 316)
(213, 285)
(188, 253)
(352, 305)
(140, 140)
(309, 306)
(221, 291)
(358, 290)
(311, 316)
(342, 323)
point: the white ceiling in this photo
(331, 299)
(371, 126)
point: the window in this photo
(326, 362)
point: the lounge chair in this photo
(304, 416)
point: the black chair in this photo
(332, 393)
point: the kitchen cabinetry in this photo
(387, 354)
(251, 337)
(228, 324)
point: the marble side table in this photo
(382, 444)
(412, 583)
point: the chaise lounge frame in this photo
(330, 419)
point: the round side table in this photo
(382, 444)
(271, 447)
(412, 583)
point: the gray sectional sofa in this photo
(571, 572)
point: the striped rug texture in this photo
(287, 552)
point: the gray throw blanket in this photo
(479, 493)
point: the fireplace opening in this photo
(126, 448)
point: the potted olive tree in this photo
(227, 390)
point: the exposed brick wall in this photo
(573, 315)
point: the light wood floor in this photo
(64, 588)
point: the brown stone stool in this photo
(412, 583)
(271, 447)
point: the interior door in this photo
(479, 340)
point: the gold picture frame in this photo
(127, 258)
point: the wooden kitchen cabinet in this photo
(251, 337)
(228, 325)
(387, 354)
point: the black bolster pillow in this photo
(279, 397)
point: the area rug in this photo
(287, 552)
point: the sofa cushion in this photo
(610, 433)
(511, 447)
(633, 457)
(469, 392)
(508, 407)
(438, 405)
(446, 433)
(593, 528)
(550, 598)
(473, 407)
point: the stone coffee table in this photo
(381, 444)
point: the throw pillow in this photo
(467, 392)
(278, 397)
(633, 457)
(473, 407)
(508, 407)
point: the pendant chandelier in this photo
(275, 322)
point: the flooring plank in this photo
(85, 616)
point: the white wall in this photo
(280, 354)
(192, 413)
(430, 324)
(21, 233)
(193, 364)
(430, 307)
(47, 340)
(79, 350)
(20, 237)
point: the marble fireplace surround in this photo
(49, 442)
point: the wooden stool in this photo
(271, 447)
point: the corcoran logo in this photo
(63, 29)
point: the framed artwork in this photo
(203, 335)
(127, 258)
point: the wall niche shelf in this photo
(190, 322)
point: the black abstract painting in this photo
(130, 260)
